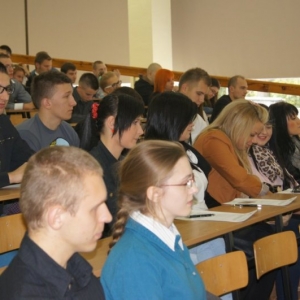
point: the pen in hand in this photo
(201, 216)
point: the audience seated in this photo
(237, 89)
(194, 84)
(42, 63)
(224, 144)
(52, 96)
(19, 99)
(170, 118)
(4, 49)
(64, 215)
(83, 95)
(212, 96)
(265, 166)
(145, 85)
(148, 259)
(70, 70)
(19, 74)
(14, 152)
(109, 82)
(99, 68)
(117, 120)
(163, 81)
(285, 142)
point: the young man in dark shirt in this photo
(14, 152)
(145, 85)
(63, 202)
(237, 89)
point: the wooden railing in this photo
(253, 85)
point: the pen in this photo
(200, 216)
(248, 205)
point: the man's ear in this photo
(154, 193)
(55, 216)
(184, 87)
(46, 102)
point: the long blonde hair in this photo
(237, 120)
(149, 163)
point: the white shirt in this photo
(199, 125)
(201, 183)
(167, 235)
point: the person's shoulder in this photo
(223, 99)
(4, 119)
(16, 84)
(212, 134)
(16, 279)
(27, 124)
(142, 82)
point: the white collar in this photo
(167, 235)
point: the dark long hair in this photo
(123, 107)
(281, 142)
(169, 114)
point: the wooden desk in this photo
(9, 193)
(25, 112)
(196, 232)
(192, 232)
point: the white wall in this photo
(258, 39)
(12, 32)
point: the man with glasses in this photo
(83, 95)
(109, 82)
(19, 98)
(14, 152)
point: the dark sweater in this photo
(144, 88)
(14, 151)
(220, 104)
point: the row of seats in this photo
(221, 274)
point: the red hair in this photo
(162, 76)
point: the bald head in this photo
(151, 71)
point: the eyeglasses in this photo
(189, 184)
(114, 85)
(9, 89)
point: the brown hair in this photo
(55, 175)
(104, 79)
(153, 159)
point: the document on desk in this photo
(209, 215)
(288, 191)
(12, 186)
(259, 202)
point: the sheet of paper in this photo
(252, 201)
(288, 191)
(221, 216)
(12, 186)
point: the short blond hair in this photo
(55, 175)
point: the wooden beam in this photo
(253, 85)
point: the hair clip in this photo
(95, 107)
